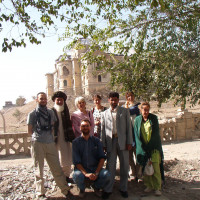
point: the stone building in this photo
(70, 77)
(9, 104)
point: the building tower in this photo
(50, 84)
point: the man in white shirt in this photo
(117, 140)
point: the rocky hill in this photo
(18, 124)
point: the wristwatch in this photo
(97, 173)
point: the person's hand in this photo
(149, 162)
(129, 147)
(97, 122)
(91, 176)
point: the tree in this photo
(20, 101)
(18, 114)
(158, 39)
(31, 20)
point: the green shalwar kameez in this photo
(148, 145)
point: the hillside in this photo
(167, 110)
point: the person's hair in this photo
(41, 93)
(129, 93)
(79, 99)
(144, 104)
(96, 96)
(113, 94)
(86, 120)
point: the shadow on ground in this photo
(181, 183)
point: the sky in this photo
(22, 71)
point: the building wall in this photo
(50, 84)
(70, 77)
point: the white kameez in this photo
(64, 149)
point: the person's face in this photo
(145, 111)
(113, 102)
(42, 100)
(130, 98)
(81, 105)
(59, 101)
(85, 128)
(97, 101)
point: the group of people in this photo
(89, 138)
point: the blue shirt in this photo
(87, 153)
(134, 110)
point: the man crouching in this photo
(88, 159)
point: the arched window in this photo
(65, 82)
(65, 71)
(99, 78)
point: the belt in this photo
(115, 135)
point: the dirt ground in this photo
(182, 174)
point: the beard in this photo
(113, 105)
(59, 108)
(85, 133)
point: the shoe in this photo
(69, 196)
(69, 180)
(139, 180)
(124, 194)
(41, 196)
(148, 190)
(81, 194)
(97, 192)
(158, 193)
(106, 195)
(132, 178)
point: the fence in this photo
(185, 126)
(15, 143)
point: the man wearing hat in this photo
(63, 132)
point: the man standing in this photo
(40, 122)
(88, 159)
(134, 112)
(63, 132)
(117, 140)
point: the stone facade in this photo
(70, 77)
(185, 126)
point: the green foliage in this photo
(159, 41)
(30, 20)
(20, 101)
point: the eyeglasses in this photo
(85, 126)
